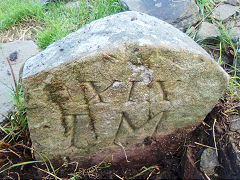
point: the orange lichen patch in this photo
(25, 30)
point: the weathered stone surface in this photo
(180, 14)
(235, 33)
(223, 12)
(18, 52)
(235, 125)
(209, 161)
(118, 80)
(233, 2)
(207, 31)
(73, 4)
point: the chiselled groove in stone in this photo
(118, 130)
(149, 114)
(149, 120)
(159, 123)
(109, 86)
(96, 92)
(69, 93)
(128, 121)
(131, 91)
(109, 57)
(161, 83)
(64, 124)
(52, 89)
(128, 124)
(73, 131)
(152, 117)
(89, 111)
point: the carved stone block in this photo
(118, 81)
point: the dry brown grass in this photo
(21, 31)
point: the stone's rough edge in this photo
(92, 42)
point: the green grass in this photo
(17, 122)
(55, 19)
(205, 7)
(14, 11)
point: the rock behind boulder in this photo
(120, 81)
(180, 14)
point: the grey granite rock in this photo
(224, 11)
(74, 4)
(209, 161)
(180, 14)
(233, 2)
(19, 52)
(118, 80)
(208, 31)
(235, 125)
(235, 33)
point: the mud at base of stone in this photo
(149, 152)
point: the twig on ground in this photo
(118, 176)
(15, 173)
(207, 176)
(14, 79)
(123, 151)
(14, 152)
(214, 139)
(205, 124)
(192, 146)
(150, 174)
(47, 172)
(4, 165)
(206, 17)
(204, 145)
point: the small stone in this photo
(235, 125)
(235, 33)
(209, 161)
(191, 30)
(73, 4)
(208, 31)
(180, 14)
(233, 2)
(220, 1)
(223, 12)
(13, 56)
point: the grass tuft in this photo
(55, 18)
(14, 11)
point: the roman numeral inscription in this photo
(101, 114)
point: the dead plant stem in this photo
(14, 79)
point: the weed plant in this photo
(17, 121)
